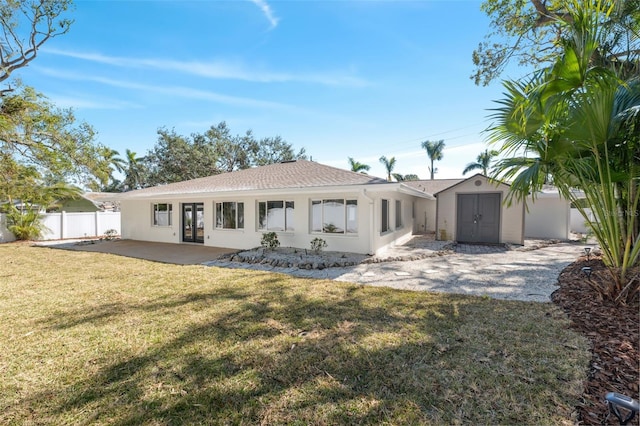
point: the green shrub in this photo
(270, 240)
(317, 244)
(25, 224)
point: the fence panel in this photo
(71, 225)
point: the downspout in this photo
(371, 221)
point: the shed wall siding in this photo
(511, 218)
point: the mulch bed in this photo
(613, 331)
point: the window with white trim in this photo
(334, 216)
(162, 214)
(229, 215)
(398, 214)
(275, 215)
(385, 216)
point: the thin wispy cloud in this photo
(267, 11)
(216, 69)
(178, 91)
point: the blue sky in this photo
(340, 78)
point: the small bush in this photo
(317, 244)
(25, 224)
(110, 234)
(270, 240)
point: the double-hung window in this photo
(334, 216)
(229, 215)
(275, 215)
(398, 214)
(162, 214)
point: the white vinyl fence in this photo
(578, 222)
(64, 225)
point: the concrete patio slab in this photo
(180, 254)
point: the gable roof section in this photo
(477, 175)
(286, 175)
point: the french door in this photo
(193, 222)
(478, 218)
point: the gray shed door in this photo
(478, 218)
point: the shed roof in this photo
(285, 175)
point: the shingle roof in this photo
(432, 186)
(293, 174)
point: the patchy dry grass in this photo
(89, 338)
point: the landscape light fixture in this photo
(587, 271)
(587, 251)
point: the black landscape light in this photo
(587, 271)
(587, 251)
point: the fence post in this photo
(63, 224)
(97, 213)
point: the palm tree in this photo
(405, 178)
(133, 171)
(483, 161)
(357, 166)
(580, 123)
(389, 164)
(434, 152)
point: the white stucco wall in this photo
(137, 221)
(511, 218)
(425, 216)
(547, 217)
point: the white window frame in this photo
(239, 218)
(154, 214)
(345, 216)
(288, 221)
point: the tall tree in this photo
(434, 152)
(532, 32)
(133, 171)
(26, 26)
(483, 162)
(581, 122)
(389, 165)
(36, 133)
(356, 166)
(175, 158)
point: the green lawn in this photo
(89, 338)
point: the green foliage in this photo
(270, 240)
(483, 162)
(579, 123)
(356, 166)
(39, 135)
(532, 32)
(175, 158)
(318, 244)
(389, 165)
(25, 224)
(434, 152)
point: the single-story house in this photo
(302, 200)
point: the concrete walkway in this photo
(526, 273)
(475, 270)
